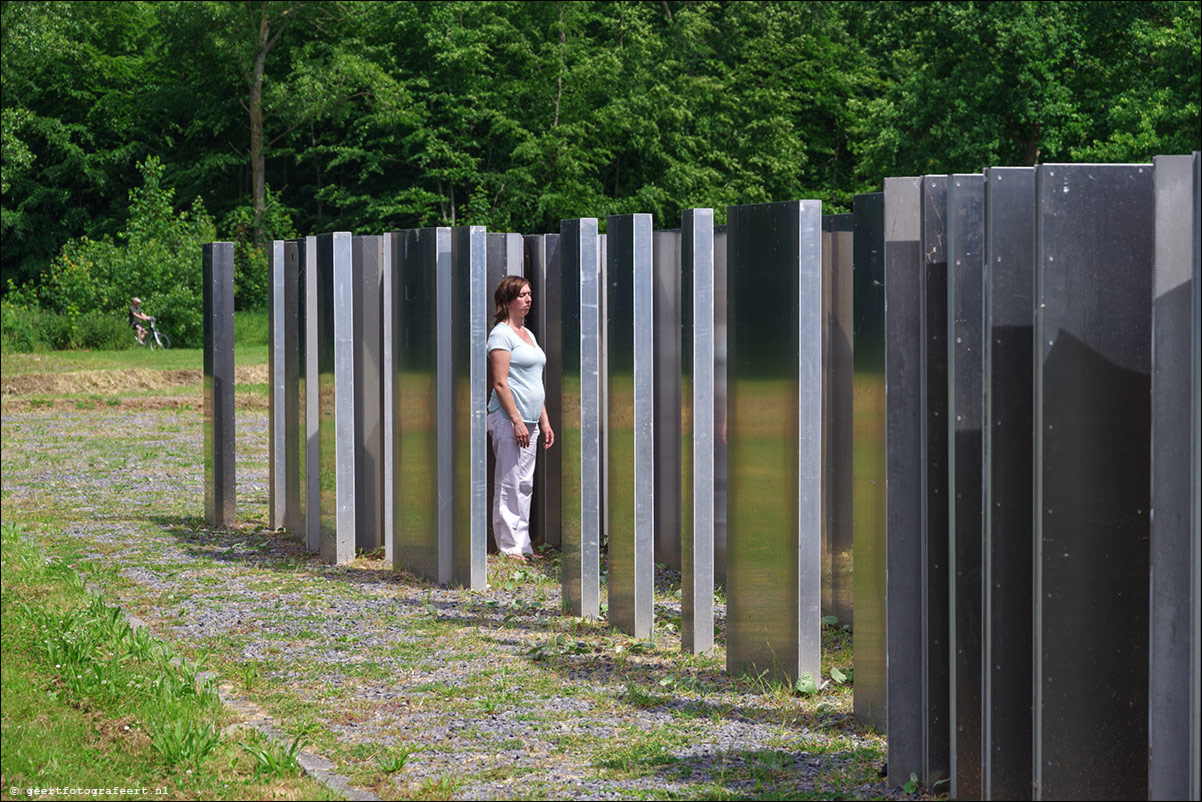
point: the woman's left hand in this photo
(548, 436)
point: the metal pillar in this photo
(904, 375)
(388, 322)
(720, 329)
(345, 437)
(965, 404)
(579, 429)
(774, 389)
(217, 280)
(1094, 252)
(1007, 546)
(666, 269)
(1173, 698)
(326, 452)
(285, 427)
(505, 257)
(369, 254)
(837, 565)
(311, 378)
(543, 270)
(868, 466)
(698, 432)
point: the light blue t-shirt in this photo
(526, 363)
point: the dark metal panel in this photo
(1173, 692)
(1008, 546)
(837, 566)
(904, 375)
(965, 403)
(283, 367)
(630, 395)
(579, 430)
(774, 580)
(217, 283)
(503, 259)
(325, 452)
(720, 350)
(936, 586)
(543, 270)
(388, 319)
(1094, 235)
(367, 271)
(868, 459)
(697, 430)
(668, 396)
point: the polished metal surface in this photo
(323, 461)
(346, 438)
(697, 430)
(388, 247)
(421, 255)
(774, 387)
(543, 270)
(868, 459)
(367, 265)
(936, 586)
(1094, 253)
(720, 320)
(294, 405)
(217, 294)
(285, 430)
(630, 395)
(965, 404)
(464, 503)
(837, 407)
(904, 375)
(1008, 545)
(666, 257)
(505, 257)
(1173, 692)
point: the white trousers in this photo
(513, 485)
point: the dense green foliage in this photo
(281, 116)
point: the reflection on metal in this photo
(1007, 547)
(965, 365)
(903, 471)
(837, 416)
(217, 278)
(697, 430)
(936, 666)
(668, 396)
(505, 257)
(345, 438)
(774, 555)
(1094, 252)
(720, 405)
(368, 255)
(284, 407)
(868, 466)
(463, 475)
(1173, 743)
(420, 257)
(543, 270)
(579, 429)
(630, 383)
(322, 460)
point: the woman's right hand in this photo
(521, 433)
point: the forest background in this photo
(135, 131)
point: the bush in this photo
(102, 331)
(18, 328)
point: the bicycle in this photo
(154, 338)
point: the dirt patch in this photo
(115, 382)
(15, 404)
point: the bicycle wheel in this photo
(164, 341)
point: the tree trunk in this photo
(258, 164)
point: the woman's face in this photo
(519, 307)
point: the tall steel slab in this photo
(345, 434)
(312, 398)
(1094, 253)
(698, 431)
(838, 392)
(543, 270)
(1173, 693)
(368, 256)
(421, 256)
(904, 375)
(1009, 282)
(774, 395)
(327, 441)
(868, 459)
(630, 435)
(283, 366)
(936, 585)
(666, 268)
(463, 493)
(579, 428)
(965, 404)
(217, 297)
(505, 257)
(720, 351)
(387, 389)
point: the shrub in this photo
(18, 328)
(102, 331)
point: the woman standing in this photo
(516, 415)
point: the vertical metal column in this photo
(904, 375)
(543, 270)
(326, 451)
(697, 430)
(774, 580)
(666, 269)
(720, 352)
(936, 587)
(1008, 546)
(868, 465)
(1173, 697)
(506, 257)
(837, 565)
(579, 428)
(630, 389)
(285, 428)
(217, 280)
(368, 257)
(463, 470)
(965, 366)
(311, 379)
(345, 436)
(1094, 252)
(388, 321)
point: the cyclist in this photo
(136, 316)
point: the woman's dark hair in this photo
(509, 288)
